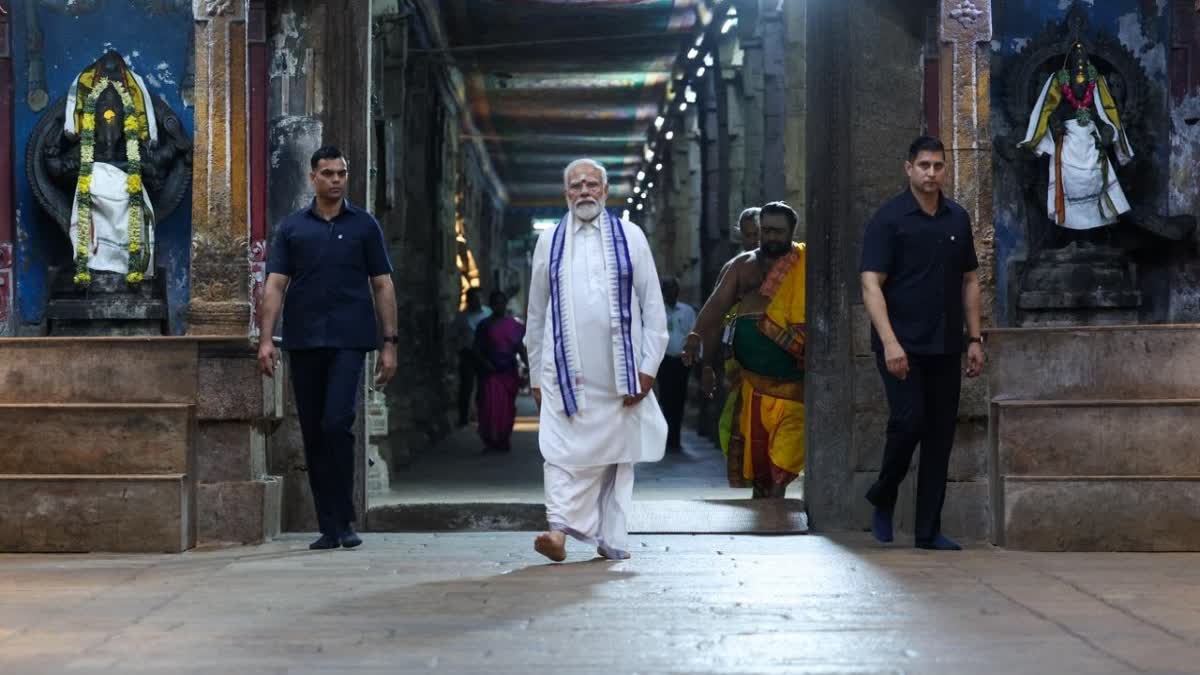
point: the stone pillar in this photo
(220, 303)
(7, 209)
(855, 153)
(966, 35)
(796, 92)
(965, 82)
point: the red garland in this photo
(1088, 98)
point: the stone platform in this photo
(1092, 434)
(131, 444)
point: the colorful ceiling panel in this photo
(550, 81)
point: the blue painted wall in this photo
(156, 46)
(1142, 26)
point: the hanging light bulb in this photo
(641, 175)
(637, 189)
(700, 71)
(658, 121)
(689, 94)
(683, 106)
(700, 40)
(640, 207)
(708, 59)
(669, 135)
(625, 214)
(649, 185)
(658, 167)
(629, 200)
(693, 53)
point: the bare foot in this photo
(553, 545)
(600, 552)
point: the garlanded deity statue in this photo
(1076, 123)
(112, 152)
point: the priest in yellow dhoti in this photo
(766, 446)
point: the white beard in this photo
(587, 212)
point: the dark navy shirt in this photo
(924, 258)
(330, 264)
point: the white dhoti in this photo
(1092, 196)
(592, 330)
(591, 504)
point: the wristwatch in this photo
(394, 339)
(976, 338)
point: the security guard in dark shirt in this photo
(919, 285)
(331, 261)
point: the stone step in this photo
(96, 438)
(98, 370)
(1100, 513)
(1153, 437)
(1096, 362)
(78, 513)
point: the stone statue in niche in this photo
(1076, 123)
(107, 162)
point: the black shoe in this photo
(349, 538)
(325, 542)
(939, 543)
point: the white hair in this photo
(585, 162)
(735, 233)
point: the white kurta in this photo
(604, 431)
(590, 455)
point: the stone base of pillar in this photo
(239, 512)
(219, 318)
(237, 501)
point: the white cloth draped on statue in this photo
(109, 246)
(1092, 195)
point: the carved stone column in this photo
(966, 33)
(220, 303)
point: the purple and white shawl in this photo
(562, 311)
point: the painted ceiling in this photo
(550, 81)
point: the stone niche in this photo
(1137, 270)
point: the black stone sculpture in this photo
(52, 160)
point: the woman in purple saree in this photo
(498, 340)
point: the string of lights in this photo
(716, 19)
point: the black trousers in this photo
(467, 374)
(923, 411)
(326, 383)
(672, 394)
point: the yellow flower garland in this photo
(131, 128)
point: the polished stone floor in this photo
(485, 603)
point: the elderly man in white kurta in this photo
(597, 332)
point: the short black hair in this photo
(500, 296)
(780, 209)
(327, 152)
(925, 144)
(473, 291)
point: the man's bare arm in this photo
(708, 322)
(268, 313)
(385, 312)
(872, 291)
(972, 303)
(893, 352)
(385, 302)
